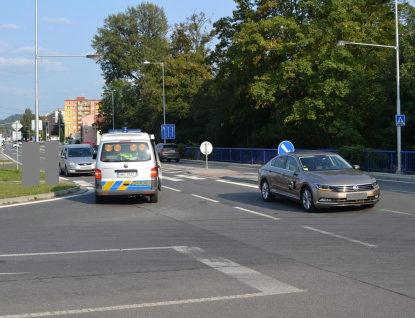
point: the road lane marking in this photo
(267, 285)
(198, 196)
(395, 211)
(189, 177)
(92, 251)
(248, 276)
(339, 236)
(238, 183)
(253, 212)
(395, 181)
(15, 273)
(164, 187)
(172, 179)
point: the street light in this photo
(112, 94)
(91, 56)
(398, 100)
(164, 98)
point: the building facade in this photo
(75, 110)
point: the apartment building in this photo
(75, 110)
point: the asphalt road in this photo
(209, 248)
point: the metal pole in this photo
(164, 99)
(398, 99)
(59, 122)
(112, 94)
(36, 88)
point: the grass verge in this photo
(11, 185)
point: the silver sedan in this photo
(317, 180)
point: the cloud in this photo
(12, 27)
(5, 47)
(23, 65)
(31, 50)
(56, 20)
(15, 91)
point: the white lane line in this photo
(339, 236)
(92, 251)
(189, 177)
(396, 212)
(261, 282)
(14, 273)
(164, 187)
(253, 212)
(172, 179)
(198, 196)
(238, 183)
(134, 306)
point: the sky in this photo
(66, 28)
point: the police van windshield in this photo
(125, 151)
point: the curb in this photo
(41, 196)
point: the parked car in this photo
(75, 159)
(168, 151)
(317, 180)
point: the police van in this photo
(127, 165)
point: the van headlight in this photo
(324, 187)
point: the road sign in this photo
(206, 148)
(17, 125)
(285, 146)
(168, 131)
(400, 120)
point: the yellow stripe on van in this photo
(107, 185)
(124, 185)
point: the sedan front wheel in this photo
(265, 192)
(307, 200)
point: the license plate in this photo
(85, 167)
(356, 196)
(126, 174)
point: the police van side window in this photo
(125, 151)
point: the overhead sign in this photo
(40, 126)
(285, 146)
(17, 125)
(206, 148)
(400, 120)
(168, 131)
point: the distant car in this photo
(16, 145)
(76, 159)
(168, 151)
(317, 180)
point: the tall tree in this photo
(26, 122)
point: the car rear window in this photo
(80, 152)
(125, 151)
(170, 147)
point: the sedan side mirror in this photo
(94, 156)
(357, 167)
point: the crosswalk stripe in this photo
(189, 177)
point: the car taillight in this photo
(163, 150)
(97, 174)
(154, 172)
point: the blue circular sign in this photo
(285, 146)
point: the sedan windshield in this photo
(323, 163)
(80, 152)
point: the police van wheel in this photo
(99, 199)
(154, 198)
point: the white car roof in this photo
(125, 136)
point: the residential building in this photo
(75, 110)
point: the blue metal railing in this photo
(376, 160)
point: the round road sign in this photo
(206, 148)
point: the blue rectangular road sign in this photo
(400, 120)
(168, 131)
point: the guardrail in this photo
(376, 160)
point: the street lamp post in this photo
(164, 96)
(112, 96)
(91, 56)
(398, 100)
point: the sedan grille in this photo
(85, 164)
(351, 188)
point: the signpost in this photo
(285, 146)
(400, 120)
(168, 132)
(206, 148)
(17, 126)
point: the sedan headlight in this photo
(324, 187)
(375, 185)
(71, 163)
